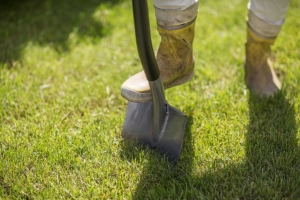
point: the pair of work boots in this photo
(176, 60)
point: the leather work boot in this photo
(175, 57)
(260, 76)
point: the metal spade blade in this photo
(138, 122)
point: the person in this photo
(176, 25)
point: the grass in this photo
(61, 67)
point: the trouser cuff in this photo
(262, 28)
(168, 19)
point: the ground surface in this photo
(61, 67)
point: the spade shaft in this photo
(143, 39)
(145, 50)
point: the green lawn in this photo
(61, 113)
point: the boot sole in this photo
(140, 97)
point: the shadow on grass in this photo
(270, 169)
(271, 166)
(48, 22)
(272, 151)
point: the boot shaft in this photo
(260, 37)
(258, 49)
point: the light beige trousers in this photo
(271, 11)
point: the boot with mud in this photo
(260, 76)
(175, 57)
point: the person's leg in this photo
(175, 57)
(265, 19)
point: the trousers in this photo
(271, 11)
